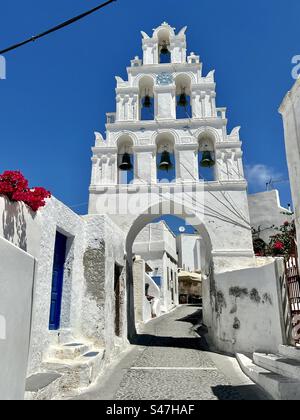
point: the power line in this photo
(57, 28)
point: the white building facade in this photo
(218, 207)
(97, 306)
(267, 214)
(290, 111)
(189, 252)
(156, 244)
(74, 333)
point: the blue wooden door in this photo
(57, 280)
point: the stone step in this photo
(42, 386)
(290, 352)
(79, 373)
(69, 351)
(278, 387)
(289, 368)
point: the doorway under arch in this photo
(149, 216)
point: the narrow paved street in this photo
(171, 361)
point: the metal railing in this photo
(292, 281)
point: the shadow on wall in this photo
(14, 223)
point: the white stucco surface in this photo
(104, 247)
(219, 208)
(266, 212)
(189, 252)
(56, 217)
(20, 226)
(155, 238)
(156, 244)
(245, 312)
(151, 309)
(94, 246)
(16, 285)
(290, 111)
(242, 308)
(144, 310)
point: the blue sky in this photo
(58, 89)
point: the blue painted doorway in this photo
(57, 280)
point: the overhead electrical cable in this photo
(57, 28)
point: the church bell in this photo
(207, 160)
(183, 100)
(164, 49)
(126, 164)
(147, 102)
(165, 161)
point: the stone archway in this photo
(165, 207)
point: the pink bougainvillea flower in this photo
(15, 187)
(279, 246)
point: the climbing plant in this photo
(15, 187)
(283, 243)
(280, 244)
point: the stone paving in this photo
(172, 362)
(173, 343)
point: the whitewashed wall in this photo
(156, 237)
(245, 311)
(266, 211)
(151, 308)
(88, 305)
(171, 299)
(20, 225)
(16, 286)
(55, 217)
(104, 248)
(290, 111)
(156, 244)
(142, 307)
(189, 252)
(226, 230)
(35, 233)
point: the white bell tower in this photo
(168, 105)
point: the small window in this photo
(157, 280)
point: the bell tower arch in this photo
(185, 135)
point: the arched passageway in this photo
(148, 217)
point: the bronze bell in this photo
(207, 160)
(164, 49)
(183, 100)
(165, 161)
(147, 102)
(126, 164)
